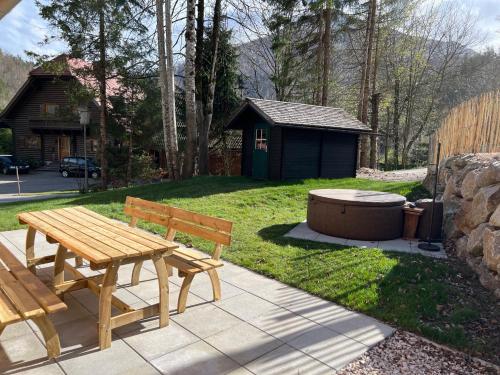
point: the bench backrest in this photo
(178, 220)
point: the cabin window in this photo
(92, 145)
(32, 142)
(49, 109)
(261, 139)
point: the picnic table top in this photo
(93, 236)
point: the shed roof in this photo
(301, 115)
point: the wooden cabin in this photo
(282, 140)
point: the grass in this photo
(427, 296)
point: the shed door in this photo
(301, 153)
(338, 156)
(260, 151)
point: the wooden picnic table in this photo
(105, 244)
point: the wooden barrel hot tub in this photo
(356, 214)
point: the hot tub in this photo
(356, 214)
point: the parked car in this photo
(75, 166)
(8, 164)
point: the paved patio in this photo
(260, 326)
(303, 232)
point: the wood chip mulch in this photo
(406, 353)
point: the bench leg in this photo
(183, 294)
(2, 327)
(30, 248)
(78, 261)
(214, 278)
(136, 273)
(49, 335)
(161, 272)
(105, 297)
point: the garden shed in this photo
(282, 140)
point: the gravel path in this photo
(406, 353)
(417, 174)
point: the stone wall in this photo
(469, 186)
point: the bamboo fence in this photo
(471, 127)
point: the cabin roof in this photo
(301, 115)
(65, 66)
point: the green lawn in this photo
(440, 299)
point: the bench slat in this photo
(42, 294)
(19, 296)
(207, 234)
(8, 313)
(192, 266)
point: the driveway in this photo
(36, 185)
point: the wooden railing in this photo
(471, 127)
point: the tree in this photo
(94, 31)
(167, 89)
(208, 107)
(365, 81)
(190, 91)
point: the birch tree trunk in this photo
(198, 63)
(102, 99)
(190, 91)
(212, 80)
(319, 60)
(167, 87)
(327, 41)
(365, 84)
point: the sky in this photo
(23, 29)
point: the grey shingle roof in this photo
(306, 115)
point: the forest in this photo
(397, 65)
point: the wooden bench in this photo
(23, 296)
(187, 261)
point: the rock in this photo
(469, 186)
(491, 249)
(451, 189)
(484, 203)
(462, 217)
(461, 247)
(450, 209)
(495, 217)
(475, 241)
(489, 175)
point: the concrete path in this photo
(303, 232)
(37, 185)
(260, 326)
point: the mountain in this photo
(13, 73)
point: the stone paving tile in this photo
(246, 306)
(287, 360)
(173, 296)
(205, 320)
(283, 324)
(15, 330)
(119, 359)
(195, 359)
(243, 342)
(329, 347)
(151, 342)
(240, 371)
(25, 354)
(302, 231)
(203, 289)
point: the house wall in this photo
(314, 153)
(35, 136)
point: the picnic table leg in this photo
(105, 297)
(136, 273)
(49, 335)
(161, 272)
(59, 265)
(2, 327)
(30, 248)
